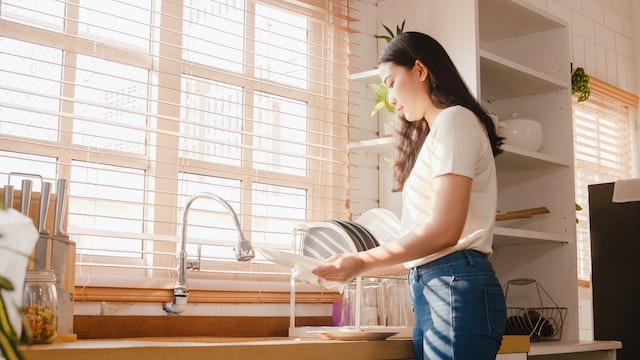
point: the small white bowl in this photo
(521, 132)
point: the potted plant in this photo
(18, 236)
(382, 95)
(580, 83)
(381, 91)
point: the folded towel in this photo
(626, 190)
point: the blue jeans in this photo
(459, 307)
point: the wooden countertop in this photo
(194, 348)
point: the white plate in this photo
(302, 267)
(290, 259)
(354, 334)
(382, 223)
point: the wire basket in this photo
(540, 323)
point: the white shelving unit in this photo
(515, 58)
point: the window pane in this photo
(280, 133)
(29, 86)
(117, 94)
(209, 223)
(213, 121)
(275, 211)
(213, 33)
(281, 46)
(38, 13)
(23, 163)
(107, 198)
(119, 22)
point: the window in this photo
(603, 146)
(143, 103)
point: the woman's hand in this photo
(341, 268)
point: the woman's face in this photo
(407, 89)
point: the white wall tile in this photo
(605, 37)
(613, 20)
(590, 56)
(582, 26)
(593, 9)
(578, 52)
(560, 10)
(600, 62)
(623, 6)
(623, 77)
(575, 5)
(624, 46)
(612, 72)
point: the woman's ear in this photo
(422, 70)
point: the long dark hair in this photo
(445, 88)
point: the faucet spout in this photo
(243, 251)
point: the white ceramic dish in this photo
(354, 334)
(383, 224)
(290, 259)
(302, 267)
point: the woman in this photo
(445, 169)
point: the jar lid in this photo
(40, 276)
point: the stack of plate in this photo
(326, 238)
(361, 237)
(382, 223)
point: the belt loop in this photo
(467, 253)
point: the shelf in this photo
(512, 158)
(516, 19)
(503, 236)
(503, 79)
(373, 145)
(570, 347)
(515, 158)
(369, 76)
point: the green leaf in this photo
(388, 39)
(377, 108)
(382, 99)
(388, 30)
(6, 284)
(380, 90)
(9, 341)
(400, 29)
(390, 108)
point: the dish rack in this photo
(540, 323)
(299, 234)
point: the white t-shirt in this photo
(457, 144)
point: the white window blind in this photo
(144, 103)
(603, 145)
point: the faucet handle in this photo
(195, 264)
(244, 250)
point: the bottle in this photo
(40, 301)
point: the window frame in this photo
(167, 106)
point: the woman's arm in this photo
(451, 202)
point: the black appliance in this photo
(615, 257)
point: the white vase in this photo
(18, 237)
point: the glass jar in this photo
(40, 301)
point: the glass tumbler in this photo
(347, 314)
(397, 305)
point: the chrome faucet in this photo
(243, 251)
